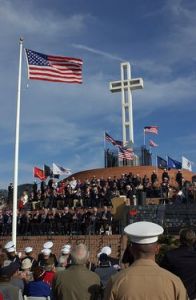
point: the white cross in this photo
(125, 86)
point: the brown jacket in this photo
(76, 283)
(145, 280)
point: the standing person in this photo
(153, 177)
(11, 252)
(77, 282)
(105, 269)
(46, 253)
(182, 261)
(29, 254)
(165, 174)
(144, 279)
(179, 179)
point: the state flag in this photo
(39, 173)
(174, 164)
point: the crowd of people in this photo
(74, 207)
(99, 192)
(72, 276)
(78, 221)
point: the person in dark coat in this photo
(179, 178)
(182, 261)
(153, 177)
(165, 174)
(105, 269)
(29, 255)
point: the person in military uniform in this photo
(29, 254)
(47, 253)
(144, 279)
(11, 252)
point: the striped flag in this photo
(114, 142)
(151, 129)
(152, 144)
(126, 153)
(53, 68)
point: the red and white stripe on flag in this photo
(126, 153)
(53, 68)
(152, 143)
(151, 129)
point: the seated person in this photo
(8, 290)
(49, 269)
(38, 288)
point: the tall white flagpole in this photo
(15, 196)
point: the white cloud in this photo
(26, 18)
(99, 52)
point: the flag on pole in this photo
(47, 171)
(53, 68)
(161, 163)
(174, 164)
(125, 153)
(186, 164)
(114, 142)
(152, 144)
(151, 129)
(58, 170)
(39, 173)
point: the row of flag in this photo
(171, 163)
(123, 152)
(53, 172)
(119, 144)
(154, 130)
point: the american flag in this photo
(151, 129)
(114, 142)
(126, 153)
(152, 143)
(53, 68)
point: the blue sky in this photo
(64, 123)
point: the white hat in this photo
(67, 246)
(106, 250)
(46, 251)
(143, 232)
(48, 245)
(28, 249)
(26, 264)
(12, 249)
(8, 245)
(66, 249)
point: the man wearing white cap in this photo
(144, 279)
(64, 259)
(11, 252)
(28, 254)
(47, 250)
(108, 251)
